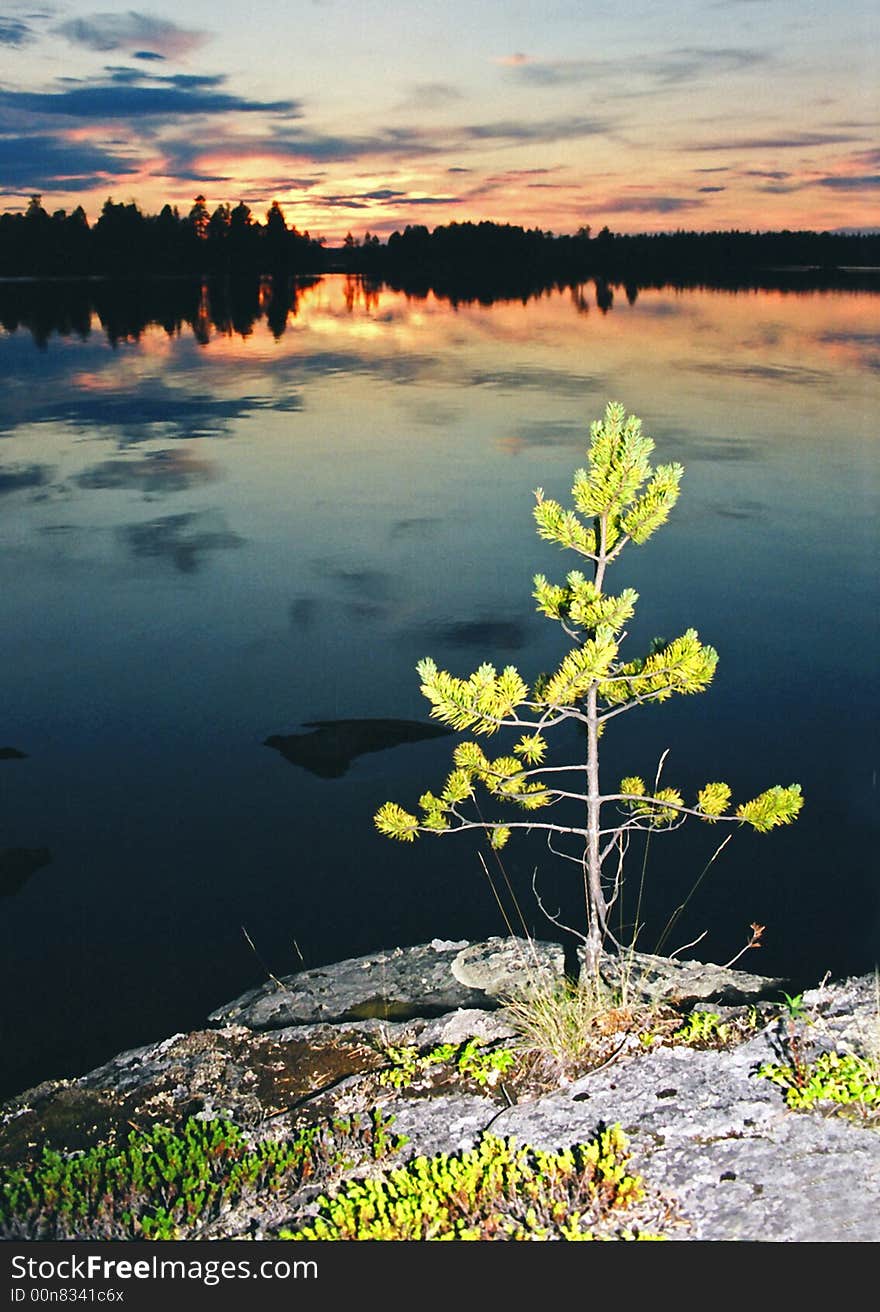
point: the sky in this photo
(642, 115)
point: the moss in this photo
(166, 1183)
(471, 1060)
(495, 1191)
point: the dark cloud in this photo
(652, 204)
(432, 200)
(289, 143)
(790, 141)
(398, 143)
(690, 62)
(16, 478)
(155, 474)
(359, 200)
(148, 55)
(431, 95)
(559, 129)
(384, 193)
(867, 182)
(127, 101)
(682, 65)
(131, 31)
(554, 72)
(183, 540)
(44, 162)
(183, 81)
(13, 32)
(710, 189)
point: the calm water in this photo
(208, 538)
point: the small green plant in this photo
(704, 1029)
(618, 500)
(166, 1183)
(701, 1027)
(794, 1007)
(472, 1059)
(495, 1191)
(842, 1079)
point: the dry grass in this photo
(564, 1030)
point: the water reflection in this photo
(339, 500)
(17, 864)
(331, 747)
(183, 540)
(155, 474)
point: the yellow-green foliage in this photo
(701, 1027)
(777, 806)
(471, 1059)
(623, 501)
(165, 1183)
(840, 1078)
(495, 1191)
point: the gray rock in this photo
(722, 1145)
(428, 980)
(722, 1155)
(660, 979)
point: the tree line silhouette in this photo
(459, 260)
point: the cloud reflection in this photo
(183, 540)
(156, 473)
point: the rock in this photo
(428, 980)
(332, 745)
(502, 965)
(17, 864)
(722, 1156)
(660, 979)
(11, 754)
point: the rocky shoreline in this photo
(723, 1156)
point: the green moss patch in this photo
(495, 1191)
(166, 1183)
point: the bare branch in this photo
(684, 947)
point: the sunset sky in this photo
(645, 115)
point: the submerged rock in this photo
(330, 748)
(11, 754)
(17, 864)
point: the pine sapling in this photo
(619, 500)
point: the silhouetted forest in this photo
(458, 260)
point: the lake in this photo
(229, 515)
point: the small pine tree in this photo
(618, 500)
